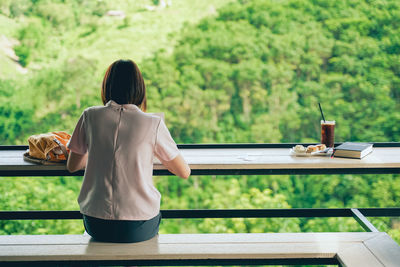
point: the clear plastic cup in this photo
(328, 133)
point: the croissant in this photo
(321, 147)
(311, 149)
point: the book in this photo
(353, 150)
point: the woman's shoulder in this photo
(93, 109)
(154, 116)
(157, 116)
(151, 120)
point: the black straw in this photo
(322, 113)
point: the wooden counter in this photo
(234, 161)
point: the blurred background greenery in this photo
(226, 71)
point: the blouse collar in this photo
(115, 105)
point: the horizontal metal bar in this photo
(198, 262)
(40, 215)
(231, 145)
(380, 212)
(194, 172)
(11, 147)
(31, 173)
(256, 213)
(226, 213)
(272, 145)
(367, 225)
(288, 171)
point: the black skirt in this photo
(121, 231)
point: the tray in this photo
(30, 159)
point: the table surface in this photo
(240, 160)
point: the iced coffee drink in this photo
(328, 133)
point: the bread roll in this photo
(299, 149)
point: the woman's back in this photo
(121, 141)
(116, 143)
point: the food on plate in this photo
(321, 147)
(315, 148)
(311, 149)
(299, 149)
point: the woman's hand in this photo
(178, 166)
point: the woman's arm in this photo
(178, 166)
(76, 161)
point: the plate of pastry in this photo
(311, 150)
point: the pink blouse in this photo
(121, 141)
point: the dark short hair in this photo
(123, 83)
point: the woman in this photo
(116, 143)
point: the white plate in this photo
(323, 153)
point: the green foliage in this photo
(16, 119)
(16, 122)
(272, 62)
(251, 71)
(39, 194)
(222, 193)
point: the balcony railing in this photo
(359, 214)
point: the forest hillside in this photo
(240, 71)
